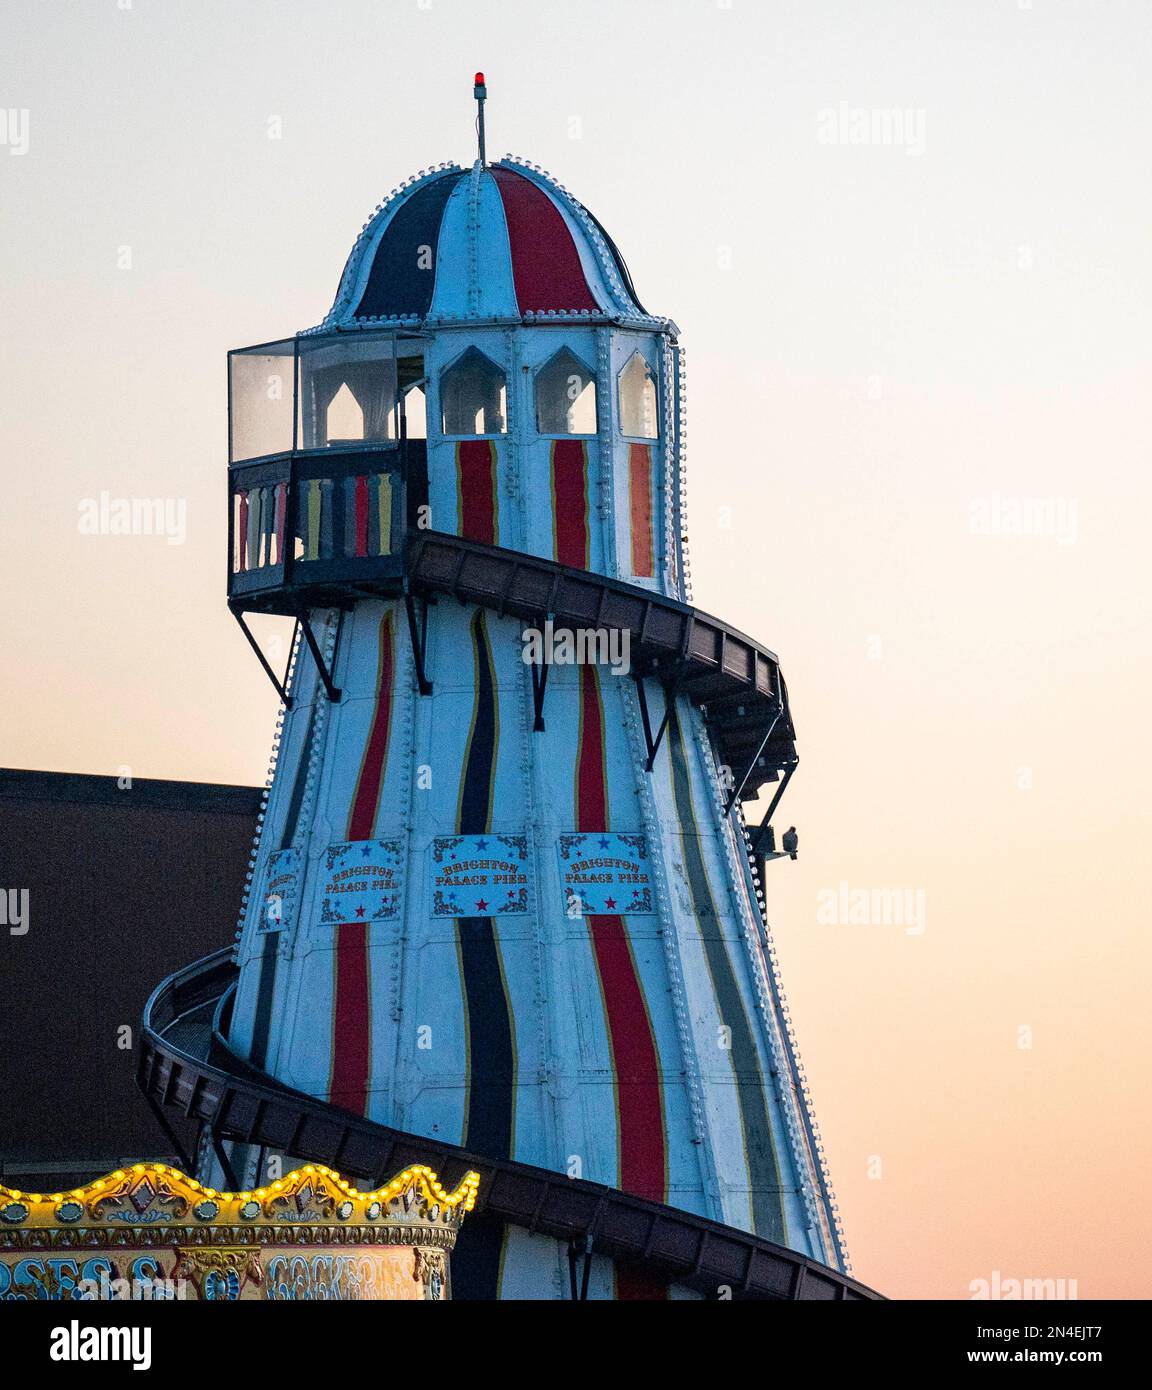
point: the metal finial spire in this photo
(480, 92)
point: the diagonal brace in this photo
(762, 829)
(224, 1160)
(581, 1259)
(281, 683)
(670, 688)
(734, 795)
(418, 636)
(332, 691)
(539, 685)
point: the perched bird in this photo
(790, 842)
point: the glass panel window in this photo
(565, 396)
(412, 387)
(638, 417)
(347, 391)
(416, 413)
(260, 399)
(473, 395)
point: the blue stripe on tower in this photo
(491, 1059)
(270, 953)
(763, 1170)
(403, 273)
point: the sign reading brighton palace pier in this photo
(605, 874)
(362, 881)
(479, 875)
(279, 898)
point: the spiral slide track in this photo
(187, 1068)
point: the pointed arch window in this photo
(345, 419)
(565, 396)
(415, 413)
(639, 417)
(473, 395)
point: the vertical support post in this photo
(758, 838)
(418, 638)
(539, 683)
(223, 1159)
(170, 1134)
(480, 92)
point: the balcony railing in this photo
(306, 526)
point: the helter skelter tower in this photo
(500, 901)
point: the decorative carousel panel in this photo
(149, 1232)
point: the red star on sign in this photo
(481, 904)
(359, 912)
(609, 902)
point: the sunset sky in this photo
(897, 352)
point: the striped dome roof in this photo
(498, 241)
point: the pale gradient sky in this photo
(876, 340)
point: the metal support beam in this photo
(736, 790)
(317, 656)
(170, 1134)
(419, 639)
(224, 1161)
(670, 688)
(575, 1255)
(762, 829)
(539, 684)
(281, 684)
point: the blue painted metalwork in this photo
(634, 1033)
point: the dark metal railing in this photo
(301, 521)
(207, 1083)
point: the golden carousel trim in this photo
(225, 1236)
(311, 1205)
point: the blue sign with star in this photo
(362, 881)
(479, 875)
(278, 901)
(605, 875)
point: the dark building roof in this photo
(124, 886)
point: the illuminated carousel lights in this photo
(69, 1207)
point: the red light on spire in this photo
(480, 92)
